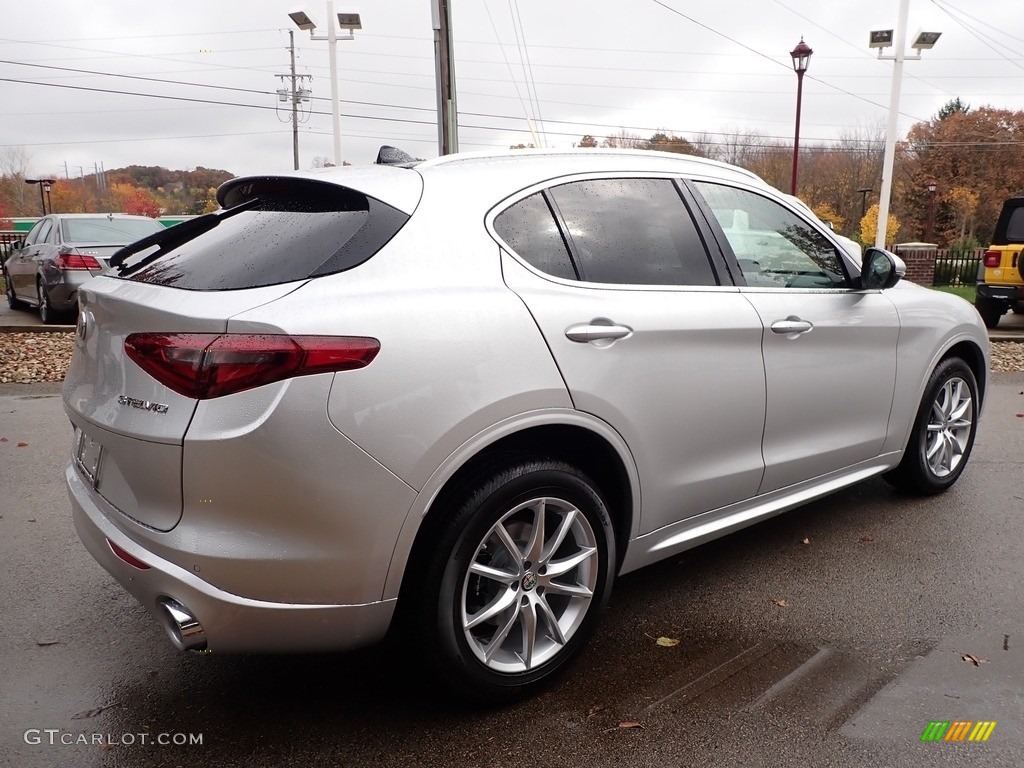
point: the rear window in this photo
(104, 231)
(285, 230)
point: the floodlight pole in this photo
(444, 71)
(332, 49)
(888, 161)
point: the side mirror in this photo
(881, 269)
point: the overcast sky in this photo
(579, 66)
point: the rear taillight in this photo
(993, 259)
(72, 260)
(207, 365)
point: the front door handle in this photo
(791, 325)
(584, 332)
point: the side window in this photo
(1015, 226)
(33, 236)
(43, 235)
(775, 248)
(632, 232)
(530, 229)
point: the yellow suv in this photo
(1002, 286)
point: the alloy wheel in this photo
(529, 585)
(949, 427)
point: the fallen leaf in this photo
(806, 541)
(22, 443)
(867, 539)
(780, 602)
(31, 519)
(667, 642)
(48, 642)
(1020, 415)
(970, 657)
(3, 440)
(626, 724)
(593, 711)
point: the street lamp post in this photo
(801, 58)
(930, 233)
(864, 200)
(345, 20)
(44, 186)
(882, 39)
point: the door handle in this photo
(791, 325)
(584, 332)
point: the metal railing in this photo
(957, 267)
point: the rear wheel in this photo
(944, 430)
(518, 581)
(989, 310)
(47, 313)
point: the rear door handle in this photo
(791, 325)
(584, 332)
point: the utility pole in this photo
(444, 70)
(295, 95)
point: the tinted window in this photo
(43, 235)
(293, 231)
(632, 231)
(104, 231)
(775, 248)
(1015, 226)
(530, 230)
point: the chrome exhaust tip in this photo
(184, 629)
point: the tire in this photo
(989, 310)
(47, 313)
(943, 433)
(495, 619)
(12, 300)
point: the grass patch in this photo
(963, 291)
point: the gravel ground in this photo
(32, 357)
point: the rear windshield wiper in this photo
(172, 237)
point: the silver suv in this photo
(460, 396)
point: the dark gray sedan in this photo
(61, 252)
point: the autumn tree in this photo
(828, 214)
(961, 148)
(869, 226)
(587, 142)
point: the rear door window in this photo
(530, 229)
(625, 231)
(285, 231)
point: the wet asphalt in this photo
(829, 636)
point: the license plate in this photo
(88, 456)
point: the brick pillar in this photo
(920, 261)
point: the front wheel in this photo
(522, 571)
(12, 298)
(943, 433)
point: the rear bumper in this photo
(1005, 294)
(231, 623)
